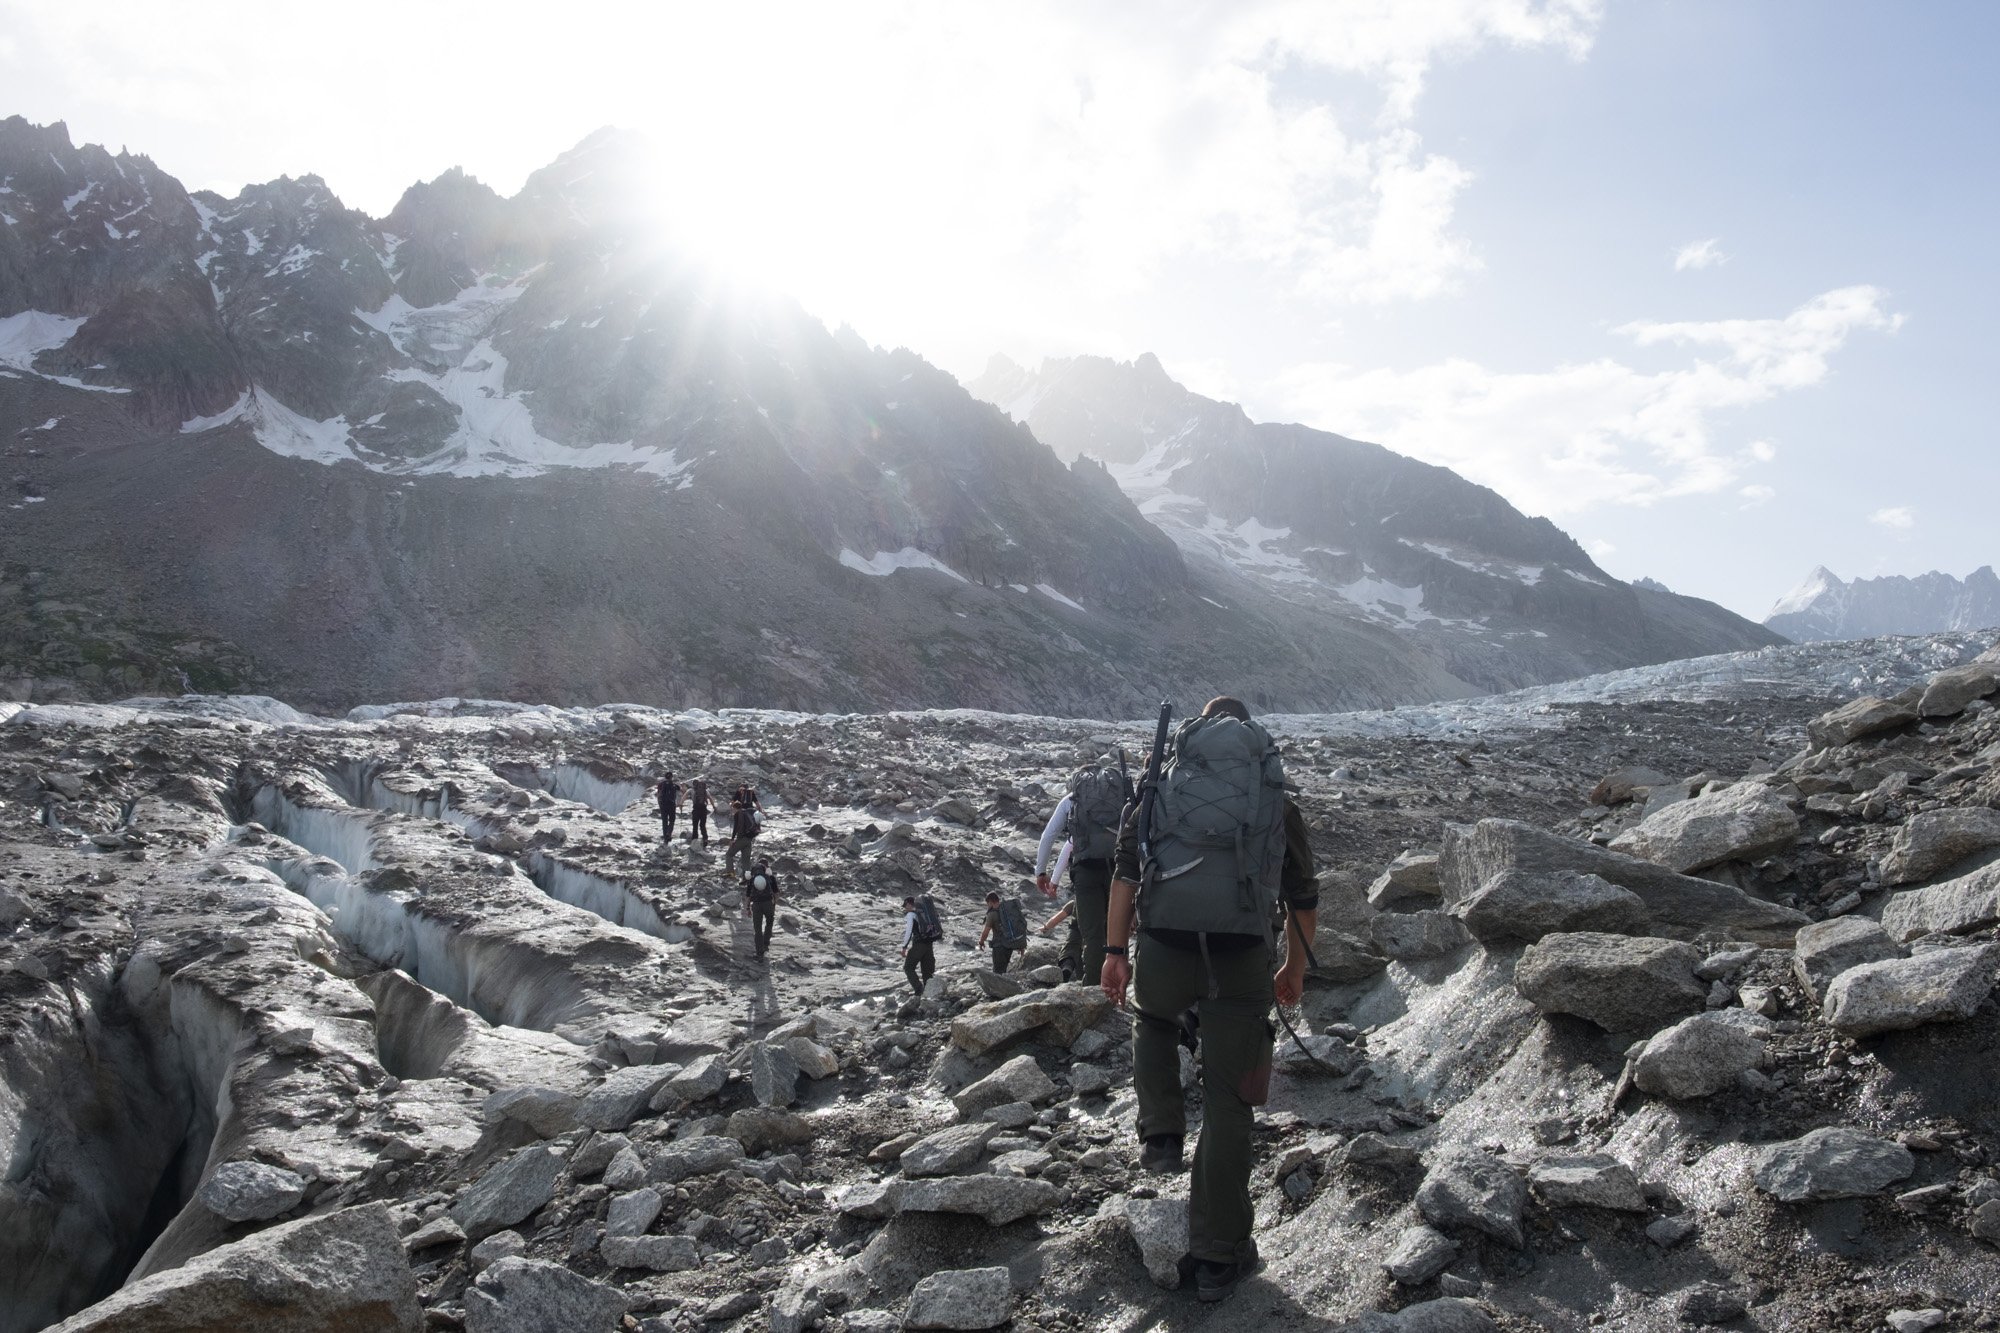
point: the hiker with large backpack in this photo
(922, 929)
(760, 899)
(1211, 852)
(1088, 817)
(669, 793)
(743, 829)
(1007, 925)
(698, 811)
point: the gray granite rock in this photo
(1621, 983)
(533, 1296)
(1468, 1189)
(966, 1298)
(1934, 986)
(251, 1191)
(1836, 1163)
(510, 1191)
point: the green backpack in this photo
(1215, 843)
(1097, 799)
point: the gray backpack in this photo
(1096, 803)
(1216, 838)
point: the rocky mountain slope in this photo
(1336, 530)
(516, 447)
(1825, 606)
(1630, 1012)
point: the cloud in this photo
(1700, 254)
(930, 173)
(1599, 548)
(1900, 518)
(1757, 495)
(1599, 432)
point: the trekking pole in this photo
(1312, 965)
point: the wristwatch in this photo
(1115, 950)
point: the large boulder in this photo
(1869, 715)
(1415, 936)
(949, 1151)
(762, 1128)
(704, 1077)
(1739, 823)
(511, 1191)
(1825, 949)
(774, 1074)
(1838, 1163)
(1701, 1055)
(1019, 1080)
(1935, 986)
(699, 1155)
(1342, 957)
(1419, 1254)
(1680, 906)
(1951, 690)
(962, 1299)
(1411, 876)
(343, 1270)
(534, 1296)
(1970, 902)
(1622, 983)
(1159, 1227)
(1593, 1180)
(623, 1096)
(1470, 1189)
(1066, 1010)
(251, 1191)
(1933, 841)
(1519, 906)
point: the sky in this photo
(1709, 283)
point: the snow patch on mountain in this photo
(884, 563)
(26, 335)
(1055, 596)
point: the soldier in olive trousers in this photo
(1235, 1077)
(1168, 976)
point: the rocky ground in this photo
(1634, 1014)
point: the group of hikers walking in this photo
(1192, 902)
(759, 883)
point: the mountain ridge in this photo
(1334, 525)
(520, 447)
(1826, 607)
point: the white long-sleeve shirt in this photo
(909, 928)
(1058, 824)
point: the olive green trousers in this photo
(1235, 1077)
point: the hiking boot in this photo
(1161, 1154)
(1214, 1281)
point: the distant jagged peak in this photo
(1824, 606)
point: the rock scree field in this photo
(1653, 1000)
